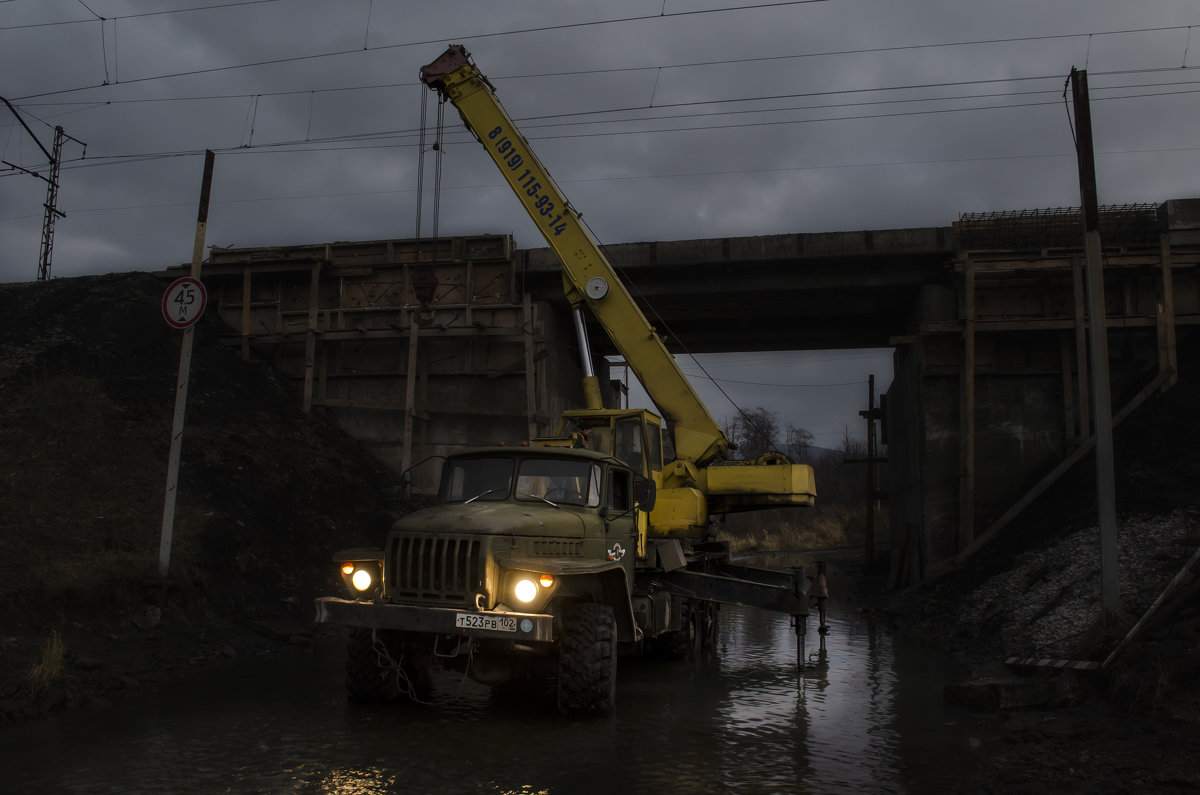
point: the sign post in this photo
(183, 304)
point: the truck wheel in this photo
(587, 661)
(685, 642)
(368, 680)
(708, 626)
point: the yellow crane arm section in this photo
(588, 277)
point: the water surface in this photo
(866, 715)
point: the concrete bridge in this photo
(778, 292)
(418, 347)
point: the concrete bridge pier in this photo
(990, 400)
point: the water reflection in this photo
(865, 715)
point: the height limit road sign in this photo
(184, 302)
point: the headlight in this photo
(361, 579)
(362, 573)
(529, 587)
(525, 590)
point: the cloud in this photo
(666, 125)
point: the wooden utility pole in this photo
(410, 392)
(181, 385)
(1106, 500)
(966, 412)
(871, 415)
(869, 542)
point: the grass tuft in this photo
(797, 530)
(49, 668)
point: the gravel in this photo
(1048, 603)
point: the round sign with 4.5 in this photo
(184, 302)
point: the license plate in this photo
(485, 621)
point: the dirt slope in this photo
(87, 383)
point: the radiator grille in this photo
(435, 569)
(554, 548)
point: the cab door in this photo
(621, 519)
(637, 442)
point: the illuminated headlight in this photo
(361, 576)
(528, 588)
(361, 579)
(525, 590)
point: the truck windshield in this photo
(465, 479)
(560, 481)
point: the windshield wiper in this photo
(537, 497)
(483, 493)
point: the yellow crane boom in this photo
(588, 277)
(696, 483)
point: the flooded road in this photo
(867, 716)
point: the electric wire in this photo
(358, 145)
(709, 63)
(164, 12)
(441, 40)
(622, 20)
(527, 119)
(354, 141)
(548, 123)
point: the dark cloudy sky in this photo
(661, 120)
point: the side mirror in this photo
(406, 484)
(644, 493)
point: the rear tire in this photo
(587, 661)
(696, 633)
(708, 626)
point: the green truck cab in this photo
(524, 567)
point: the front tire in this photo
(368, 679)
(587, 661)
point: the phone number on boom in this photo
(513, 159)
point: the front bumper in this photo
(437, 620)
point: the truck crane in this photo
(691, 487)
(523, 567)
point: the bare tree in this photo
(754, 431)
(852, 447)
(798, 442)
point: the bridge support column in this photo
(966, 414)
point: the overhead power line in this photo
(116, 17)
(95, 162)
(694, 103)
(440, 40)
(402, 138)
(621, 20)
(407, 137)
(99, 162)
